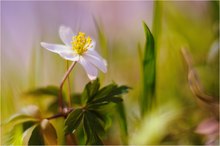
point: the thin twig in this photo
(56, 116)
(61, 86)
(62, 114)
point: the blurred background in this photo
(117, 28)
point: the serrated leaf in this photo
(48, 132)
(103, 117)
(95, 140)
(73, 120)
(27, 135)
(90, 90)
(105, 91)
(90, 129)
(97, 105)
(119, 90)
(49, 90)
(106, 100)
(115, 99)
(149, 72)
(109, 93)
(86, 128)
(94, 122)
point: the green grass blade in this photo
(157, 19)
(122, 122)
(101, 37)
(149, 71)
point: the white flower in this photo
(78, 48)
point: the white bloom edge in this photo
(90, 60)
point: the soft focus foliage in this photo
(166, 52)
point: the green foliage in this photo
(73, 120)
(92, 119)
(149, 72)
(14, 126)
(27, 134)
(92, 127)
(157, 19)
(101, 37)
(35, 131)
(90, 91)
(121, 116)
(36, 137)
(30, 113)
(49, 90)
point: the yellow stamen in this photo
(81, 43)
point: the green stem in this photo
(63, 114)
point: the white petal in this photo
(94, 53)
(90, 69)
(69, 55)
(56, 48)
(66, 35)
(98, 62)
(64, 51)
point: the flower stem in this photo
(63, 114)
(69, 89)
(61, 86)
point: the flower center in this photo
(81, 43)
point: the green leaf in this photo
(36, 137)
(49, 90)
(18, 119)
(101, 37)
(105, 91)
(17, 123)
(157, 19)
(93, 95)
(53, 107)
(121, 116)
(104, 118)
(149, 73)
(91, 127)
(94, 121)
(115, 99)
(27, 114)
(76, 99)
(12, 136)
(27, 134)
(109, 93)
(119, 90)
(48, 132)
(73, 120)
(90, 90)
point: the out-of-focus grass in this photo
(178, 29)
(177, 25)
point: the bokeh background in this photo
(193, 25)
